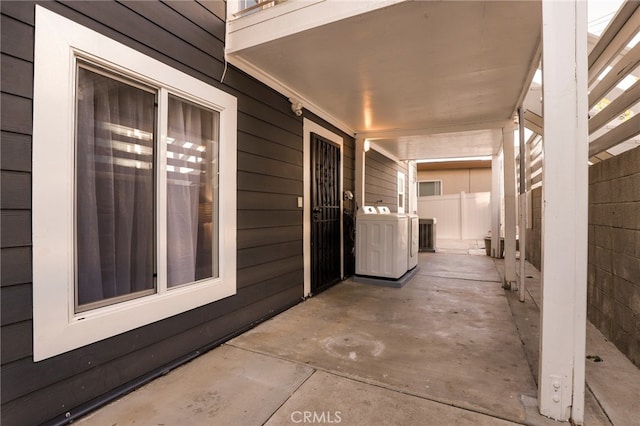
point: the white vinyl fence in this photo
(460, 216)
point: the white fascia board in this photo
(381, 150)
(533, 67)
(277, 85)
(397, 133)
(238, 23)
(291, 17)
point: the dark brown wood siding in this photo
(189, 36)
(381, 180)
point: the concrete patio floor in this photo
(443, 350)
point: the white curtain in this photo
(191, 192)
(114, 188)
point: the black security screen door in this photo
(325, 213)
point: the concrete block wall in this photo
(614, 251)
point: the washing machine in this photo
(413, 245)
(381, 243)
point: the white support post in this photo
(496, 201)
(564, 211)
(522, 243)
(522, 234)
(463, 215)
(509, 209)
(413, 187)
(359, 172)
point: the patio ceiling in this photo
(410, 74)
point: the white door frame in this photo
(309, 127)
(402, 183)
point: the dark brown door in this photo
(325, 213)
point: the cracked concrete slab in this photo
(442, 350)
(327, 398)
(445, 339)
(478, 268)
(226, 386)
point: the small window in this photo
(134, 189)
(429, 188)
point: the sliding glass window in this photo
(133, 188)
(192, 192)
(115, 211)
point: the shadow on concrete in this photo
(444, 349)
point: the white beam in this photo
(618, 72)
(626, 100)
(523, 204)
(496, 201)
(611, 45)
(359, 172)
(533, 67)
(627, 9)
(468, 127)
(509, 210)
(413, 187)
(615, 136)
(564, 211)
(534, 122)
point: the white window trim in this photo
(56, 328)
(430, 180)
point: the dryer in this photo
(381, 244)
